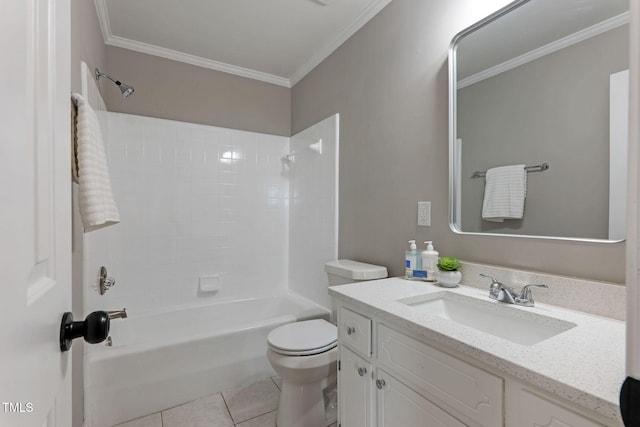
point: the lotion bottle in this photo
(429, 258)
(410, 260)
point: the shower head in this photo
(124, 88)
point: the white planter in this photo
(448, 279)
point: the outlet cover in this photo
(424, 213)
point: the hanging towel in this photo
(95, 198)
(504, 193)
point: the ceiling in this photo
(276, 41)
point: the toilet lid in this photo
(303, 338)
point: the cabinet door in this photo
(526, 409)
(355, 390)
(398, 405)
(449, 382)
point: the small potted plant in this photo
(448, 274)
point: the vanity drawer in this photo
(467, 390)
(355, 331)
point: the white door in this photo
(35, 212)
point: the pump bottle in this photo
(429, 258)
(410, 260)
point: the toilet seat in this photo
(303, 338)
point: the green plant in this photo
(448, 264)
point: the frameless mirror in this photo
(542, 83)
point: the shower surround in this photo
(195, 201)
(201, 258)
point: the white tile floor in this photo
(251, 406)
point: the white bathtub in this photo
(162, 360)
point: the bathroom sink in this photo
(498, 319)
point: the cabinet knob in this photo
(380, 383)
(362, 371)
(351, 330)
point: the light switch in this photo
(424, 213)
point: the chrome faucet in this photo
(525, 298)
(503, 293)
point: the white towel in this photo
(504, 193)
(95, 197)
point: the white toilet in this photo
(304, 355)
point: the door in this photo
(630, 393)
(35, 212)
(354, 390)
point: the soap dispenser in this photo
(429, 258)
(410, 260)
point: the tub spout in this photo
(118, 314)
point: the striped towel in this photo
(504, 193)
(95, 197)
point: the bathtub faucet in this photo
(118, 314)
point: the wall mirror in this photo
(543, 82)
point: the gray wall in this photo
(554, 109)
(174, 90)
(86, 40)
(389, 83)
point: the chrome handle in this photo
(351, 330)
(526, 291)
(362, 371)
(525, 297)
(380, 383)
(494, 288)
(489, 277)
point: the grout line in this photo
(228, 410)
(257, 416)
(274, 381)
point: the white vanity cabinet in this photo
(376, 392)
(390, 377)
(395, 403)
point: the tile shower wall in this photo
(313, 214)
(194, 201)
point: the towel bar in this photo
(536, 168)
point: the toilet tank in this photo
(343, 271)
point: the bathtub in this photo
(161, 360)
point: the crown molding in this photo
(196, 60)
(367, 14)
(103, 19)
(594, 30)
(111, 40)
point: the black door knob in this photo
(94, 329)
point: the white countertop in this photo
(584, 365)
